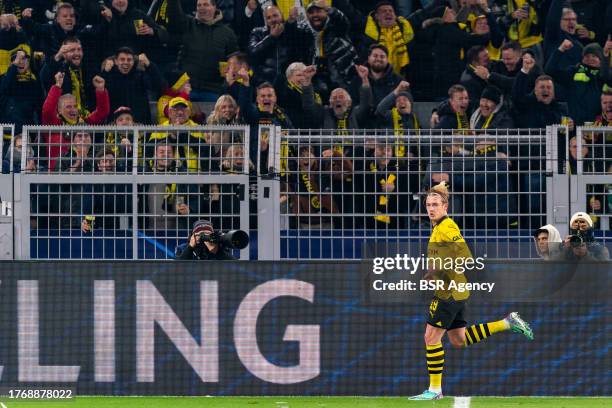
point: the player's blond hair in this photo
(440, 190)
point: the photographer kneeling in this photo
(581, 245)
(206, 244)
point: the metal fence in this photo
(128, 193)
(589, 162)
(339, 192)
(133, 193)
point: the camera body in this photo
(580, 237)
(235, 239)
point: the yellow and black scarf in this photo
(67, 121)
(399, 130)
(395, 39)
(161, 15)
(462, 121)
(294, 87)
(311, 188)
(486, 150)
(78, 89)
(383, 200)
(342, 130)
(527, 32)
(26, 76)
(487, 122)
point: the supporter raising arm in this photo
(61, 109)
(583, 81)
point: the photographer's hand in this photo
(192, 241)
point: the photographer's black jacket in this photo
(200, 252)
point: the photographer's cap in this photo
(581, 216)
(203, 226)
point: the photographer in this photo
(581, 245)
(202, 247)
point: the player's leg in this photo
(441, 315)
(479, 332)
(435, 363)
(435, 356)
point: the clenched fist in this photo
(98, 83)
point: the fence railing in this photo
(133, 193)
(128, 193)
(339, 192)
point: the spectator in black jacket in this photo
(381, 76)
(129, 80)
(21, 95)
(561, 24)
(583, 82)
(341, 114)
(454, 114)
(477, 57)
(49, 37)
(335, 55)
(292, 91)
(12, 37)
(206, 41)
(273, 47)
(77, 79)
(123, 25)
(264, 112)
(492, 112)
(537, 107)
(449, 40)
(395, 112)
(502, 73)
(108, 201)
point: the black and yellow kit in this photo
(446, 245)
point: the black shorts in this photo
(446, 314)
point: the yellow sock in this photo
(435, 364)
(479, 332)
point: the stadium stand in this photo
(489, 96)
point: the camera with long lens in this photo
(579, 237)
(235, 239)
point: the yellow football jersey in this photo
(445, 246)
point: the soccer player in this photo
(446, 311)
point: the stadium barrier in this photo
(592, 177)
(341, 191)
(283, 328)
(128, 193)
(309, 194)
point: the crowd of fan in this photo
(331, 64)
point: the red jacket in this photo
(56, 142)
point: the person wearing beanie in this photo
(584, 81)
(121, 140)
(396, 112)
(198, 248)
(580, 245)
(492, 112)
